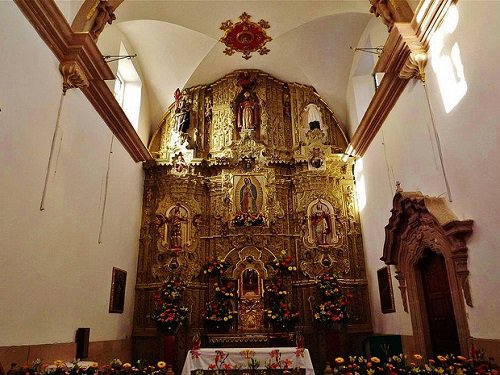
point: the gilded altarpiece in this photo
(257, 170)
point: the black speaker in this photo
(82, 342)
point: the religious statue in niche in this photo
(250, 284)
(248, 200)
(179, 165)
(178, 223)
(246, 106)
(313, 116)
(248, 112)
(321, 225)
(182, 111)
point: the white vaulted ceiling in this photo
(177, 44)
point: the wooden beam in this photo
(404, 40)
(83, 67)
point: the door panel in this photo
(442, 324)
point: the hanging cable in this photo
(105, 189)
(438, 142)
(52, 148)
(387, 163)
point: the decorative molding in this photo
(419, 223)
(245, 36)
(83, 67)
(73, 75)
(402, 59)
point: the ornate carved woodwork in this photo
(246, 195)
(419, 224)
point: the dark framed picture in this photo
(385, 290)
(117, 297)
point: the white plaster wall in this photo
(469, 142)
(55, 277)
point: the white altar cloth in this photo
(201, 359)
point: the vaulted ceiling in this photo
(177, 44)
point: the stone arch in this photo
(419, 223)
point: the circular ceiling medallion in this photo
(245, 36)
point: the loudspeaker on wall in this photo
(82, 342)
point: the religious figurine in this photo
(320, 222)
(248, 112)
(246, 82)
(248, 197)
(313, 116)
(104, 15)
(381, 8)
(182, 109)
(208, 108)
(175, 227)
(179, 164)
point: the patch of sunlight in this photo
(360, 184)
(447, 63)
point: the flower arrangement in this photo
(224, 291)
(401, 364)
(276, 290)
(172, 290)
(115, 367)
(169, 314)
(283, 263)
(333, 310)
(216, 266)
(247, 219)
(221, 313)
(282, 314)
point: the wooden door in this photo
(442, 326)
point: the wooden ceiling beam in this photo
(83, 67)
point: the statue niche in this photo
(177, 233)
(246, 108)
(250, 272)
(321, 223)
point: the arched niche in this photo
(250, 272)
(418, 224)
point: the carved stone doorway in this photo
(419, 226)
(441, 323)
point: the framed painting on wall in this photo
(385, 290)
(117, 296)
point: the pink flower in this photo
(274, 353)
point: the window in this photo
(127, 88)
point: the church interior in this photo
(284, 183)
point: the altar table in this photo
(201, 359)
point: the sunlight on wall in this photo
(360, 184)
(447, 64)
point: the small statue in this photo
(313, 116)
(182, 109)
(380, 8)
(105, 15)
(248, 112)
